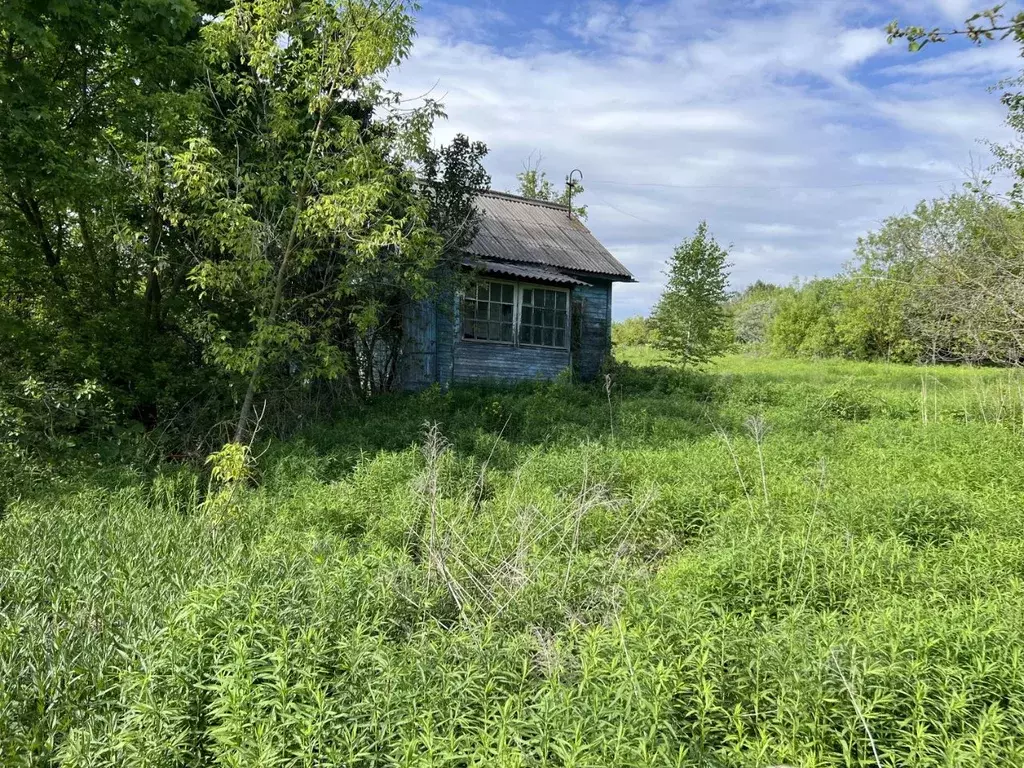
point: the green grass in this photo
(770, 563)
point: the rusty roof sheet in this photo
(527, 273)
(535, 232)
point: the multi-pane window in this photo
(516, 313)
(543, 317)
(488, 312)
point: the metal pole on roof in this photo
(570, 186)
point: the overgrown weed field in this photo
(771, 563)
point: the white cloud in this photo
(791, 131)
(994, 61)
(957, 10)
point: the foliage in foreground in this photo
(212, 206)
(779, 563)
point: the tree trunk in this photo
(29, 208)
(275, 306)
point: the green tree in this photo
(454, 173)
(301, 191)
(632, 332)
(690, 318)
(985, 25)
(534, 184)
(94, 97)
(804, 321)
(752, 310)
(944, 283)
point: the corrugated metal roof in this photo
(535, 232)
(527, 273)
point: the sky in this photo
(791, 126)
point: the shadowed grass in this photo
(815, 564)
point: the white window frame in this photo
(517, 313)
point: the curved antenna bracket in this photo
(571, 184)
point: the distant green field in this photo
(769, 563)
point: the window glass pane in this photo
(482, 291)
(527, 296)
(537, 336)
(524, 334)
(549, 340)
(549, 300)
(508, 294)
(495, 291)
(494, 313)
(549, 318)
(506, 313)
(559, 338)
(506, 331)
(560, 300)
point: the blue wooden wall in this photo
(595, 341)
(480, 361)
(434, 350)
(417, 363)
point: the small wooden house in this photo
(539, 302)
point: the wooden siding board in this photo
(595, 328)
(482, 361)
(418, 361)
(456, 360)
(447, 323)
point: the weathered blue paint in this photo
(595, 327)
(434, 350)
(484, 361)
(418, 360)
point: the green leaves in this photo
(534, 183)
(982, 26)
(244, 149)
(636, 601)
(690, 318)
(940, 285)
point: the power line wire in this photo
(604, 182)
(605, 204)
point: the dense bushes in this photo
(942, 284)
(632, 332)
(776, 565)
(203, 220)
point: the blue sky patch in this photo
(791, 127)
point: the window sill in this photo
(489, 341)
(513, 344)
(544, 346)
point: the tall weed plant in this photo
(776, 563)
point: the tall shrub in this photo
(690, 318)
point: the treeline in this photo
(942, 284)
(211, 213)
